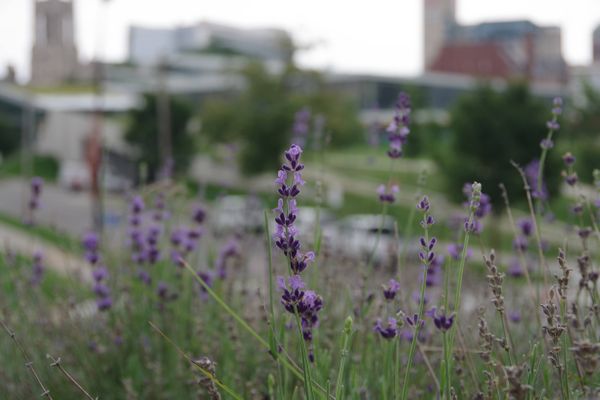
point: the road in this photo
(66, 211)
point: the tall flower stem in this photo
(447, 377)
(475, 194)
(426, 257)
(339, 386)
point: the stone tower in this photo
(439, 16)
(54, 53)
(596, 45)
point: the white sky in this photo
(377, 36)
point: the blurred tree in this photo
(489, 129)
(10, 136)
(583, 133)
(142, 132)
(261, 117)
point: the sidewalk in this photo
(58, 260)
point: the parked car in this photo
(241, 214)
(356, 237)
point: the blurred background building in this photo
(54, 57)
(503, 49)
(205, 59)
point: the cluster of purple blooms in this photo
(479, 204)
(553, 124)
(398, 130)
(295, 298)
(520, 243)
(570, 176)
(441, 320)
(531, 174)
(38, 268)
(387, 194)
(184, 240)
(160, 208)
(91, 245)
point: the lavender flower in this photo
(104, 303)
(295, 299)
(515, 269)
(144, 276)
(91, 244)
(526, 226)
(100, 273)
(199, 214)
(286, 233)
(553, 124)
(160, 208)
(531, 173)
(387, 331)
(387, 195)
(479, 204)
(568, 159)
(306, 303)
(455, 250)
(514, 316)
(391, 289)
(399, 128)
(442, 321)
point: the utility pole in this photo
(94, 147)
(27, 134)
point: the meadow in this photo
(469, 302)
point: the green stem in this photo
(305, 362)
(339, 388)
(448, 383)
(413, 343)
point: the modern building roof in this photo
(482, 60)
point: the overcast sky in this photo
(376, 36)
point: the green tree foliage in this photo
(583, 133)
(260, 119)
(10, 136)
(143, 128)
(491, 128)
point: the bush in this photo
(143, 128)
(489, 129)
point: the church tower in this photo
(54, 53)
(439, 16)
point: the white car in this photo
(238, 214)
(356, 237)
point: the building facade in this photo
(54, 54)
(503, 49)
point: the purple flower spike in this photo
(387, 195)
(100, 273)
(390, 291)
(568, 159)
(388, 331)
(399, 128)
(137, 205)
(104, 303)
(199, 214)
(526, 226)
(442, 321)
